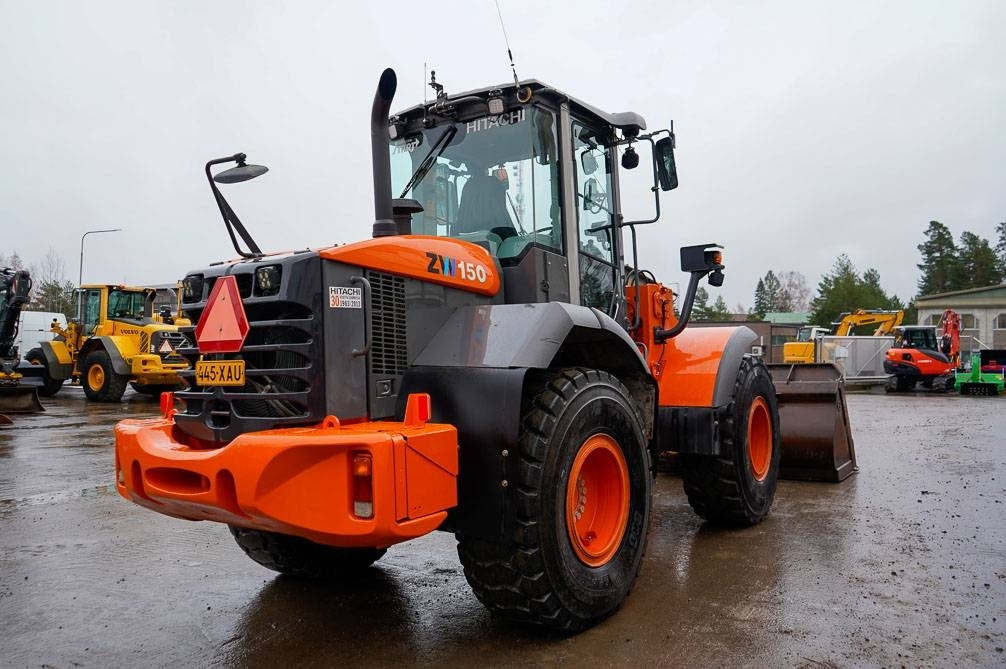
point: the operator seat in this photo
(483, 207)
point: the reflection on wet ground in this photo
(903, 564)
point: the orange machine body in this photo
(686, 366)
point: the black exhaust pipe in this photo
(384, 223)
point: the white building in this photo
(982, 311)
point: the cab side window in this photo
(92, 310)
(595, 218)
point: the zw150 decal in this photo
(454, 268)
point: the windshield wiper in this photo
(431, 157)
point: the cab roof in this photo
(630, 123)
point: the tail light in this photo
(363, 485)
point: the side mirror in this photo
(663, 154)
(240, 173)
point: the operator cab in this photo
(923, 338)
(529, 173)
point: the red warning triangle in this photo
(223, 326)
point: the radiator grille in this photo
(387, 313)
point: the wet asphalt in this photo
(904, 564)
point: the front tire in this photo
(737, 486)
(50, 386)
(101, 383)
(582, 507)
(296, 556)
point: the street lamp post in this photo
(80, 272)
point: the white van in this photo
(33, 327)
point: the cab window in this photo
(595, 217)
(492, 180)
(92, 310)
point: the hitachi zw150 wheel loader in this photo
(486, 364)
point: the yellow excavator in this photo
(806, 350)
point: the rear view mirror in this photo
(663, 154)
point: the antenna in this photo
(506, 39)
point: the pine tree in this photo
(977, 263)
(761, 303)
(939, 266)
(719, 311)
(700, 305)
(772, 292)
(1001, 249)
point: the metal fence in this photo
(860, 359)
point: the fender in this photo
(57, 359)
(533, 336)
(119, 364)
(696, 384)
(700, 366)
(484, 404)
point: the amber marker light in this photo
(363, 485)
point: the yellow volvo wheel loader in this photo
(118, 340)
(484, 365)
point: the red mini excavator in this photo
(917, 356)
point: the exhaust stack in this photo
(384, 223)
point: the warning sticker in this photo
(345, 298)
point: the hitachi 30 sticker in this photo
(345, 298)
(457, 269)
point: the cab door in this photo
(596, 249)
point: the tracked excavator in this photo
(919, 358)
(17, 395)
(485, 364)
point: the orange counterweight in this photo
(366, 484)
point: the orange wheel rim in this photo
(759, 438)
(95, 377)
(597, 500)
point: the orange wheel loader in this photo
(485, 364)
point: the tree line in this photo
(946, 266)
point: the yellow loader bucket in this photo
(19, 399)
(813, 423)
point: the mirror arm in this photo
(655, 188)
(231, 219)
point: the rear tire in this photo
(737, 486)
(101, 383)
(296, 556)
(50, 386)
(582, 507)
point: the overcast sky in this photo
(805, 129)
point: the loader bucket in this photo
(19, 399)
(814, 428)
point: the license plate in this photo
(220, 372)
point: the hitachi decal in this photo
(340, 297)
(462, 270)
(486, 122)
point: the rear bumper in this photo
(296, 481)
